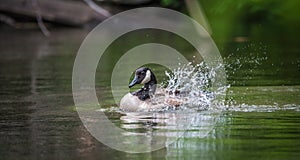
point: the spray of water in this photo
(190, 86)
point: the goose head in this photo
(146, 77)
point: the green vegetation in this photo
(229, 18)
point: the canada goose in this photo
(140, 100)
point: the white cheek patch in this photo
(147, 77)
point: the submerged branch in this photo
(39, 18)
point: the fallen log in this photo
(73, 13)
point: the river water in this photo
(39, 120)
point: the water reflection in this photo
(162, 128)
(171, 124)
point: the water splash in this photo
(190, 86)
(244, 62)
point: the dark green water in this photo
(39, 121)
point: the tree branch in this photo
(39, 18)
(197, 13)
(97, 8)
(8, 20)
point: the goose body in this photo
(131, 103)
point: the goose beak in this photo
(133, 82)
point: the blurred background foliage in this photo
(249, 17)
(258, 17)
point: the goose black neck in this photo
(147, 90)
